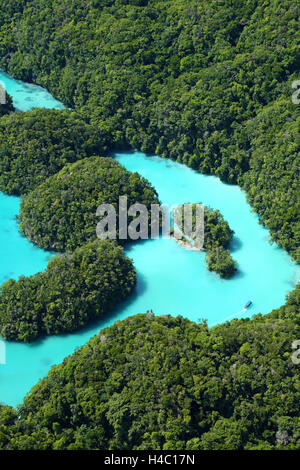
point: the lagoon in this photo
(171, 279)
(27, 96)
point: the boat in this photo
(248, 304)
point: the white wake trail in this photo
(231, 316)
(235, 314)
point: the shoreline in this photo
(186, 244)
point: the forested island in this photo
(217, 238)
(208, 84)
(169, 383)
(6, 104)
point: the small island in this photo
(217, 238)
(73, 291)
(89, 277)
(39, 143)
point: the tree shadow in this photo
(238, 274)
(236, 244)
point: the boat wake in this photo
(231, 316)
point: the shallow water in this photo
(172, 280)
(27, 96)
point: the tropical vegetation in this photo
(60, 214)
(219, 259)
(73, 290)
(206, 83)
(168, 383)
(6, 103)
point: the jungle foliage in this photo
(60, 214)
(7, 106)
(70, 293)
(168, 383)
(202, 82)
(219, 259)
(207, 83)
(217, 237)
(37, 144)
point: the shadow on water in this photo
(116, 151)
(238, 274)
(92, 326)
(140, 289)
(236, 244)
(131, 244)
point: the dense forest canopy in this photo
(217, 236)
(60, 214)
(71, 292)
(207, 83)
(6, 102)
(186, 80)
(39, 143)
(168, 383)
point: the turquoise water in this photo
(172, 280)
(18, 256)
(26, 96)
